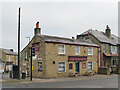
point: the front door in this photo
(77, 67)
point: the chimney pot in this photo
(88, 34)
(37, 30)
(37, 25)
(73, 38)
(107, 27)
(11, 50)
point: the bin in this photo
(23, 75)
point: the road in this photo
(111, 82)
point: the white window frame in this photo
(61, 49)
(104, 48)
(92, 66)
(9, 58)
(15, 59)
(65, 67)
(77, 50)
(114, 49)
(26, 54)
(91, 51)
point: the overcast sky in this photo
(64, 19)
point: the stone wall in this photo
(52, 55)
(104, 70)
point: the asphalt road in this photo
(111, 82)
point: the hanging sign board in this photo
(35, 57)
(37, 46)
(84, 65)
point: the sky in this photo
(63, 19)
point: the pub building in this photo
(59, 56)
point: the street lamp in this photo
(29, 55)
(28, 38)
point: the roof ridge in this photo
(57, 37)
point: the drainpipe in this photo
(98, 59)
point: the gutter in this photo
(71, 44)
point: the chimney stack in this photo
(108, 32)
(37, 30)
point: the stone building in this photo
(108, 45)
(58, 56)
(7, 59)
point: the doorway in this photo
(77, 67)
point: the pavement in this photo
(96, 81)
(38, 80)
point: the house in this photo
(7, 59)
(59, 56)
(108, 45)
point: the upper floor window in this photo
(113, 49)
(77, 50)
(61, 49)
(9, 58)
(26, 54)
(16, 59)
(104, 48)
(90, 51)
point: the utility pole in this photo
(32, 54)
(31, 65)
(19, 45)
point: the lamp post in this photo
(28, 38)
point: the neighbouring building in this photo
(58, 56)
(8, 58)
(119, 55)
(108, 46)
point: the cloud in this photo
(59, 19)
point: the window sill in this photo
(113, 66)
(90, 55)
(61, 54)
(40, 70)
(77, 54)
(61, 72)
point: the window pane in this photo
(90, 51)
(62, 67)
(89, 65)
(61, 49)
(77, 50)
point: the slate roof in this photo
(102, 37)
(65, 40)
(7, 51)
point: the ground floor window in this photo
(8, 67)
(113, 61)
(70, 66)
(62, 67)
(89, 65)
(40, 66)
